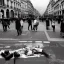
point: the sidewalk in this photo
(53, 36)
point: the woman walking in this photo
(18, 26)
(53, 25)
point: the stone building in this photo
(59, 8)
(10, 8)
(13, 8)
(49, 9)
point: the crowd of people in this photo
(32, 24)
(19, 22)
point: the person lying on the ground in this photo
(40, 51)
(28, 51)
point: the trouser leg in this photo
(8, 26)
(36, 27)
(31, 27)
(54, 29)
(28, 27)
(47, 27)
(3, 27)
(18, 32)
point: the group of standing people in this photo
(5, 24)
(52, 24)
(19, 25)
(33, 23)
(19, 22)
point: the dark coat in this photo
(62, 27)
(17, 24)
(47, 22)
(29, 22)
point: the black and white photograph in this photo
(31, 31)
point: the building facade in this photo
(13, 8)
(59, 8)
(49, 10)
(27, 8)
(10, 8)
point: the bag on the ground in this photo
(6, 55)
(16, 54)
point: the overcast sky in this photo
(40, 5)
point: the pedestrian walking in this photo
(36, 23)
(53, 25)
(29, 23)
(18, 26)
(4, 24)
(22, 23)
(47, 23)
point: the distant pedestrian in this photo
(4, 24)
(36, 23)
(29, 23)
(22, 23)
(47, 24)
(53, 25)
(18, 26)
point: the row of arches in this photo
(8, 14)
